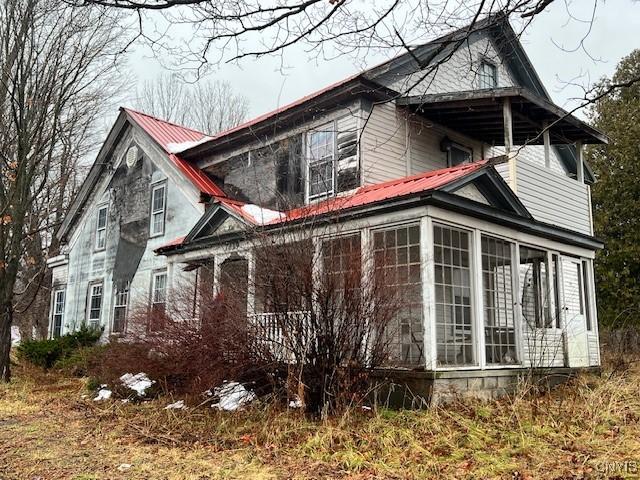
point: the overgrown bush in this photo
(45, 353)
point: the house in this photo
(469, 174)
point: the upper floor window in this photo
(321, 149)
(95, 305)
(101, 228)
(158, 201)
(456, 154)
(487, 75)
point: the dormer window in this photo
(158, 201)
(101, 228)
(321, 155)
(487, 75)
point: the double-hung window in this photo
(158, 201)
(95, 305)
(487, 75)
(321, 160)
(101, 228)
(121, 295)
(158, 301)
(58, 312)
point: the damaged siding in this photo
(128, 257)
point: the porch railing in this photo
(282, 334)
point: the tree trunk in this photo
(5, 341)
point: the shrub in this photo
(46, 353)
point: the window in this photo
(158, 302)
(585, 305)
(95, 305)
(58, 312)
(456, 154)
(555, 266)
(534, 288)
(497, 290)
(397, 259)
(321, 146)
(101, 228)
(158, 198)
(454, 323)
(120, 308)
(487, 75)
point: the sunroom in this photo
(487, 287)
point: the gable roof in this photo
(173, 139)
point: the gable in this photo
(217, 221)
(487, 187)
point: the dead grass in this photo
(47, 431)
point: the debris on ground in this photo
(232, 396)
(139, 382)
(103, 394)
(179, 405)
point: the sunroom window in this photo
(454, 317)
(534, 288)
(397, 257)
(497, 290)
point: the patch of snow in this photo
(123, 467)
(295, 403)
(125, 400)
(207, 393)
(15, 335)
(182, 146)
(179, 405)
(103, 394)
(262, 215)
(139, 382)
(232, 396)
(366, 408)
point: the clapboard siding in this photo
(542, 348)
(594, 348)
(552, 197)
(384, 144)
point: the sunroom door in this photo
(575, 324)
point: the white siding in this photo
(383, 146)
(456, 74)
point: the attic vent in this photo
(132, 156)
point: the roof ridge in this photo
(153, 117)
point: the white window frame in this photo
(154, 283)
(62, 291)
(315, 162)
(95, 322)
(482, 76)
(117, 303)
(158, 211)
(101, 231)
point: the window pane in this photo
(534, 288)
(454, 318)
(158, 199)
(400, 269)
(102, 217)
(497, 293)
(488, 75)
(321, 179)
(95, 304)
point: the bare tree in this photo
(56, 67)
(208, 106)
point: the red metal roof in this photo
(170, 136)
(380, 192)
(368, 195)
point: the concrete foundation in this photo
(397, 388)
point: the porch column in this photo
(547, 144)
(508, 141)
(428, 293)
(366, 278)
(579, 162)
(251, 282)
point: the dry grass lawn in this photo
(47, 431)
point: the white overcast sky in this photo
(615, 32)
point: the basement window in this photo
(158, 201)
(101, 228)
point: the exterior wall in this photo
(552, 197)
(129, 254)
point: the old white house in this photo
(470, 174)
